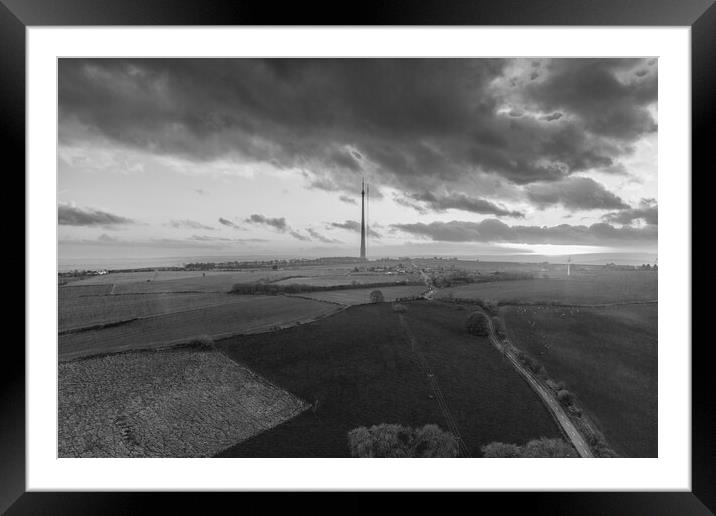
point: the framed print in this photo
(286, 254)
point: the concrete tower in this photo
(362, 220)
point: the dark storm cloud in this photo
(228, 223)
(345, 159)
(276, 223)
(418, 122)
(593, 90)
(349, 200)
(70, 215)
(494, 231)
(457, 201)
(647, 211)
(189, 224)
(352, 225)
(575, 193)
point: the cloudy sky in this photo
(188, 157)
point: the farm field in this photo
(607, 357)
(604, 287)
(177, 403)
(83, 311)
(72, 292)
(359, 368)
(358, 296)
(212, 282)
(173, 281)
(346, 279)
(244, 314)
(133, 277)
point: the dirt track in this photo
(560, 416)
(553, 406)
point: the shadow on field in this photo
(358, 369)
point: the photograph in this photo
(357, 257)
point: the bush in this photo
(430, 441)
(492, 307)
(201, 342)
(390, 440)
(530, 363)
(565, 397)
(548, 448)
(555, 386)
(501, 450)
(477, 324)
(538, 448)
(500, 328)
(399, 308)
(376, 297)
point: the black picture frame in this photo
(17, 15)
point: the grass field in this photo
(347, 279)
(220, 281)
(176, 403)
(360, 368)
(71, 292)
(135, 277)
(82, 311)
(604, 287)
(607, 357)
(245, 314)
(212, 282)
(360, 296)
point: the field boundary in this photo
(170, 344)
(299, 296)
(110, 324)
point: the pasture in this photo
(346, 279)
(90, 310)
(222, 281)
(175, 403)
(65, 293)
(211, 282)
(607, 357)
(599, 288)
(245, 314)
(358, 296)
(359, 368)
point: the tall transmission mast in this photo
(569, 266)
(367, 217)
(362, 220)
